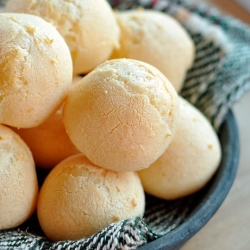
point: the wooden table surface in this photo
(229, 228)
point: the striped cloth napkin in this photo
(219, 77)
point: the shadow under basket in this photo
(210, 198)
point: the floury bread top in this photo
(35, 70)
(122, 115)
(158, 39)
(88, 27)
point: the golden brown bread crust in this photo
(190, 160)
(158, 39)
(35, 70)
(49, 142)
(18, 180)
(78, 199)
(88, 27)
(122, 115)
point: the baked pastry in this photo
(35, 70)
(88, 27)
(158, 39)
(49, 142)
(77, 199)
(122, 115)
(18, 180)
(189, 162)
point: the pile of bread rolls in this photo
(92, 94)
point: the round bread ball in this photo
(158, 39)
(77, 199)
(122, 115)
(18, 180)
(49, 142)
(88, 27)
(189, 162)
(35, 70)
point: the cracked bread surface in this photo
(122, 115)
(189, 162)
(18, 180)
(88, 27)
(79, 198)
(158, 39)
(35, 70)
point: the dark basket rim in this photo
(219, 189)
